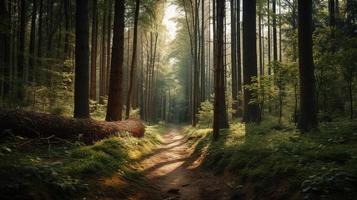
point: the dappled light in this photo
(178, 99)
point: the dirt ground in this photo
(172, 173)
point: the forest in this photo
(178, 99)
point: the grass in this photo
(38, 170)
(274, 157)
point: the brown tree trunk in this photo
(41, 125)
(93, 71)
(308, 108)
(31, 73)
(81, 83)
(133, 60)
(115, 104)
(103, 60)
(234, 59)
(251, 110)
(220, 119)
(21, 53)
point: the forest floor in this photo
(170, 172)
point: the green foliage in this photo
(269, 155)
(205, 114)
(32, 169)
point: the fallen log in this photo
(34, 124)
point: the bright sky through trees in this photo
(170, 21)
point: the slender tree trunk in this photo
(93, 71)
(269, 40)
(220, 119)
(239, 61)
(31, 73)
(133, 60)
(115, 105)
(109, 39)
(103, 60)
(308, 109)
(21, 53)
(251, 110)
(67, 15)
(203, 55)
(275, 35)
(81, 83)
(234, 58)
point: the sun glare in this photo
(170, 21)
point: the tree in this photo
(234, 59)
(220, 120)
(308, 108)
(81, 82)
(115, 104)
(133, 60)
(93, 71)
(31, 73)
(251, 110)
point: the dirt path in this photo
(173, 173)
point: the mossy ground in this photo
(281, 162)
(57, 169)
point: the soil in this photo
(172, 173)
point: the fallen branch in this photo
(41, 125)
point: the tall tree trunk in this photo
(220, 119)
(308, 109)
(275, 36)
(93, 71)
(251, 110)
(67, 18)
(81, 82)
(203, 55)
(31, 73)
(239, 60)
(109, 39)
(21, 53)
(103, 60)
(5, 36)
(115, 104)
(234, 58)
(269, 40)
(134, 59)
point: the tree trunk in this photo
(41, 125)
(31, 73)
(133, 60)
(93, 71)
(21, 53)
(239, 61)
(67, 15)
(103, 60)
(251, 110)
(308, 109)
(220, 113)
(203, 58)
(115, 104)
(234, 59)
(81, 83)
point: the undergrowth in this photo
(57, 169)
(280, 161)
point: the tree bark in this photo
(81, 83)
(115, 104)
(41, 125)
(31, 73)
(93, 71)
(308, 108)
(133, 60)
(251, 110)
(220, 120)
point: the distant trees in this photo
(115, 104)
(81, 81)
